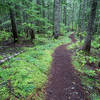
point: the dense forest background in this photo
(35, 27)
(24, 19)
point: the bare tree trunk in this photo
(79, 17)
(83, 16)
(32, 34)
(73, 17)
(14, 26)
(57, 18)
(65, 16)
(49, 10)
(43, 12)
(38, 23)
(87, 44)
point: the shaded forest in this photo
(31, 30)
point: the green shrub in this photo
(4, 35)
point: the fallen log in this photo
(8, 58)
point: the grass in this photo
(26, 75)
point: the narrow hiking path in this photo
(63, 83)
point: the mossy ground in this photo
(24, 76)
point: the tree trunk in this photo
(43, 11)
(32, 34)
(57, 18)
(48, 10)
(14, 26)
(65, 16)
(83, 16)
(79, 17)
(38, 23)
(73, 16)
(87, 44)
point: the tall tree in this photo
(13, 23)
(57, 18)
(43, 7)
(38, 13)
(73, 15)
(83, 15)
(87, 44)
(65, 12)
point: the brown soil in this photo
(63, 83)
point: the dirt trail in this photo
(63, 83)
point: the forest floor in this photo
(25, 75)
(64, 84)
(8, 49)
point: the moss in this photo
(28, 71)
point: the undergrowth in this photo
(24, 77)
(87, 65)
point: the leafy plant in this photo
(28, 71)
(4, 35)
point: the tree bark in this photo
(73, 16)
(83, 16)
(87, 44)
(32, 34)
(79, 16)
(65, 16)
(43, 5)
(57, 18)
(38, 23)
(14, 26)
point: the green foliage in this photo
(76, 45)
(81, 58)
(92, 59)
(63, 28)
(4, 35)
(72, 27)
(96, 42)
(90, 72)
(95, 96)
(81, 61)
(89, 82)
(81, 35)
(1, 57)
(28, 71)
